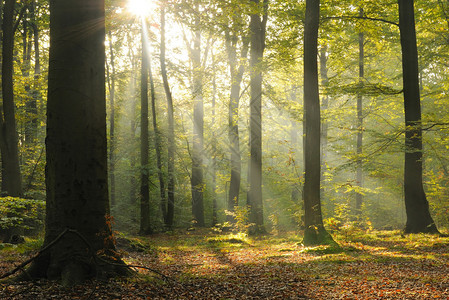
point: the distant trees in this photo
(213, 132)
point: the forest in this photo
(224, 149)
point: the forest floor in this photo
(205, 265)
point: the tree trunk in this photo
(359, 147)
(214, 146)
(132, 138)
(324, 108)
(171, 147)
(314, 232)
(198, 131)
(111, 84)
(11, 176)
(257, 29)
(144, 143)
(76, 173)
(416, 205)
(234, 139)
(158, 148)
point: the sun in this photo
(140, 7)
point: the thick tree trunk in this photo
(76, 173)
(11, 176)
(257, 40)
(314, 232)
(416, 205)
(236, 71)
(198, 131)
(144, 146)
(171, 147)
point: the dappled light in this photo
(259, 149)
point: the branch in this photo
(362, 18)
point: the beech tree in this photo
(416, 204)
(257, 41)
(11, 176)
(314, 232)
(77, 224)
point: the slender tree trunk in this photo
(236, 70)
(198, 131)
(214, 146)
(132, 138)
(111, 84)
(359, 149)
(324, 108)
(314, 232)
(294, 136)
(158, 148)
(416, 205)
(257, 28)
(76, 172)
(171, 147)
(144, 141)
(11, 176)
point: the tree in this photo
(359, 147)
(144, 146)
(416, 204)
(171, 147)
(257, 42)
(76, 175)
(237, 68)
(111, 86)
(11, 176)
(158, 147)
(198, 127)
(314, 232)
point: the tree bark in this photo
(416, 205)
(158, 148)
(144, 140)
(236, 70)
(324, 108)
(257, 40)
(198, 130)
(76, 172)
(11, 176)
(111, 84)
(359, 147)
(314, 232)
(171, 147)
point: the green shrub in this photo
(20, 216)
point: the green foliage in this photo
(22, 214)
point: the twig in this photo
(22, 265)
